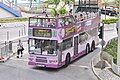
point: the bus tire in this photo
(87, 49)
(93, 46)
(67, 60)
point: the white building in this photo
(5, 14)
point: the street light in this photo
(105, 3)
(118, 56)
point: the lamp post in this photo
(118, 55)
(15, 2)
(105, 3)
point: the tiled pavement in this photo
(106, 73)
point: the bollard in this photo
(10, 46)
(19, 33)
(24, 31)
(7, 35)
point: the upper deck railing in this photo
(60, 21)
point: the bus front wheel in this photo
(93, 46)
(67, 61)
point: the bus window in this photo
(33, 22)
(83, 37)
(69, 20)
(65, 21)
(40, 22)
(51, 23)
(31, 43)
(43, 22)
(67, 43)
(50, 46)
(93, 32)
(43, 47)
(61, 23)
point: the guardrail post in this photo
(19, 33)
(24, 31)
(10, 46)
(1, 55)
(7, 35)
(5, 48)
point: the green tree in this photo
(56, 2)
(62, 10)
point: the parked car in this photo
(109, 12)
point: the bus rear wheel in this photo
(67, 61)
(87, 49)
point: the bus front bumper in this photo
(44, 65)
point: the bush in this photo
(111, 49)
(13, 20)
(110, 21)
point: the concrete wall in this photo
(109, 58)
(5, 14)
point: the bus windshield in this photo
(43, 47)
(43, 22)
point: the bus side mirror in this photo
(101, 32)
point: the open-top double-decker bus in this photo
(57, 41)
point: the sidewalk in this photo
(23, 58)
(103, 74)
(106, 73)
(8, 55)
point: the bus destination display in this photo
(42, 33)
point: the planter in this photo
(109, 26)
(109, 58)
(116, 68)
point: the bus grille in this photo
(41, 59)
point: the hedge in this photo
(111, 49)
(110, 21)
(9, 20)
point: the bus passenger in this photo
(76, 18)
(70, 12)
(44, 10)
(81, 18)
(51, 24)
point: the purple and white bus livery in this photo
(56, 41)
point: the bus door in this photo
(59, 53)
(75, 45)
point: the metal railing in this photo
(8, 49)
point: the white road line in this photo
(87, 67)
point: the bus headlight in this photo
(52, 61)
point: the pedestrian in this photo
(19, 49)
(81, 18)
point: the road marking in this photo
(19, 59)
(81, 66)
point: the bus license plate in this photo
(40, 65)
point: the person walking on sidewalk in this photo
(19, 49)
